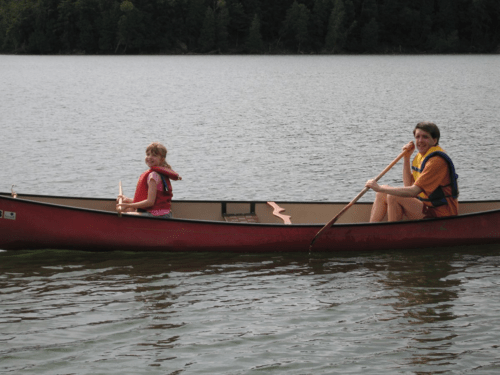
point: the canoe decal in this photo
(8, 215)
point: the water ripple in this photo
(72, 312)
(310, 128)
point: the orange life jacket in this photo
(437, 197)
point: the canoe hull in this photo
(32, 225)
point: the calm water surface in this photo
(398, 313)
(308, 128)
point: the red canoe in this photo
(41, 222)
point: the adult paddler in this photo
(430, 182)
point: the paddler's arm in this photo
(407, 175)
(142, 204)
(407, 191)
(124, 199)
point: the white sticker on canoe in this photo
(9, 215)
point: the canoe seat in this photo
(241, 218)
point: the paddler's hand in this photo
(372, 184)
(409, 148)
(124, 199)
(122, 207)
(122, 203)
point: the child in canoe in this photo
(153, 195)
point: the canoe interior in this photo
(299, 212)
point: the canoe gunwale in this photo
(19, 197)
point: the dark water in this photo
(421, 312)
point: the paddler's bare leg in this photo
(399, 206)
(395, 207)
(379, 208)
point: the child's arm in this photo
(124, 199)
(142, 204)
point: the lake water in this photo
(426, 312)
(304, 128)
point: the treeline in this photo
(249, 26)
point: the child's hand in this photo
(122, 203)
(121, 207)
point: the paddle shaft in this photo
(331, 222)
(120, 192)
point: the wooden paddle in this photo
(331, 222)
(120, 192)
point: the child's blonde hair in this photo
(158, 149)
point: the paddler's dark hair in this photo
(430, 128)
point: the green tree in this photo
(89, 17)
(108, 27)
(337, 29)
(446, 17)
(352, 40)
(320, 15)
(17, 20)
(272, 16)
(480, 25)
(238, 22)
(369, 36)
(68, 18)
(254, 42)
(369, 11)
(221, 25)
(3, 26)
(41, 37)
(130, 29)
(445, 38)
(295, 31)
(196, 14)
(152, 26)
(207, 37)
(422, 28)
(394, 27)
